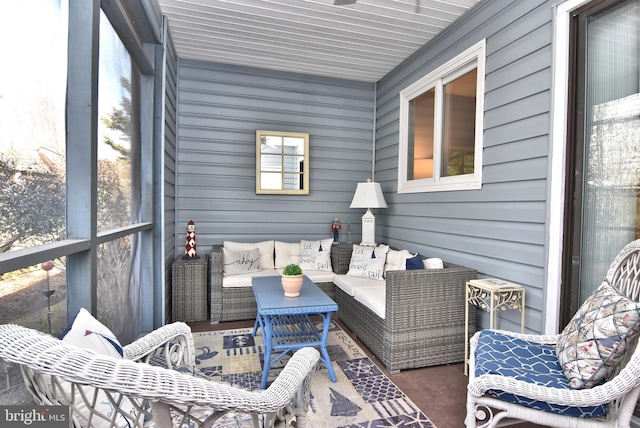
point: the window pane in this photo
(117, 289)
(33, 297)
(32, 131)
(271, 144)
(36, 297)
(420, 147)
(294, 146)
(293, 163)
(271, 181)
(117, 144)
(459, 122)
(292, 181)
(271, 162)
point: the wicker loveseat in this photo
(424, 315)
(238, 303)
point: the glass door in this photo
(603, 195)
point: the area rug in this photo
(362, 396)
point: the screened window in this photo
(441, 127)
(32, 130)
(118, 144)
(32, 160)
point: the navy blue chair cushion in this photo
(530, 362)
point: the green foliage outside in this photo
(33, 212)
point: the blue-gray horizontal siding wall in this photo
(221, 107)
(169, 169)
(500, 230)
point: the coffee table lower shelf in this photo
(289, 333)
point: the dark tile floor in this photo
(440, 392)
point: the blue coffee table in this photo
(285, 321)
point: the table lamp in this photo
(368, 195)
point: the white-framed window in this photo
(441, 123)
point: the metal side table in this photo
(493, 296)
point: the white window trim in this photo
(474, 57)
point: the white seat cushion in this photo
(244, 279)
(348, 283)
(319, 275)
(373, 298)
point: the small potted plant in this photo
(292, 280)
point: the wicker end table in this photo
(492, 295)
(189, 291)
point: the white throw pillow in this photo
(368, 262)
(87, 332)
(433, 263)
(316, 255)
(397, 259)
(266, 251)
(242, 261)
(287, 253)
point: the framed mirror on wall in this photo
(282, 163)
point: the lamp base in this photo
(368, 229)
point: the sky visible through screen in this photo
(33, 78)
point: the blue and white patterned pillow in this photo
(593, 343)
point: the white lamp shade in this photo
(368, 195)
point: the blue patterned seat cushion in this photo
(530, 362)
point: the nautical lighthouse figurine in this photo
(190, 247)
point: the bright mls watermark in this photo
(34, 416)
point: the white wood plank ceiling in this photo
(359, 40)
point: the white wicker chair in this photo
(620, 391)
(57, 373)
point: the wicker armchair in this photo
(611, 403)
(57, 373)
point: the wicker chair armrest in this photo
(173, 342)
(216, 268)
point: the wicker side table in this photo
(189, 293)
(341, 257)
